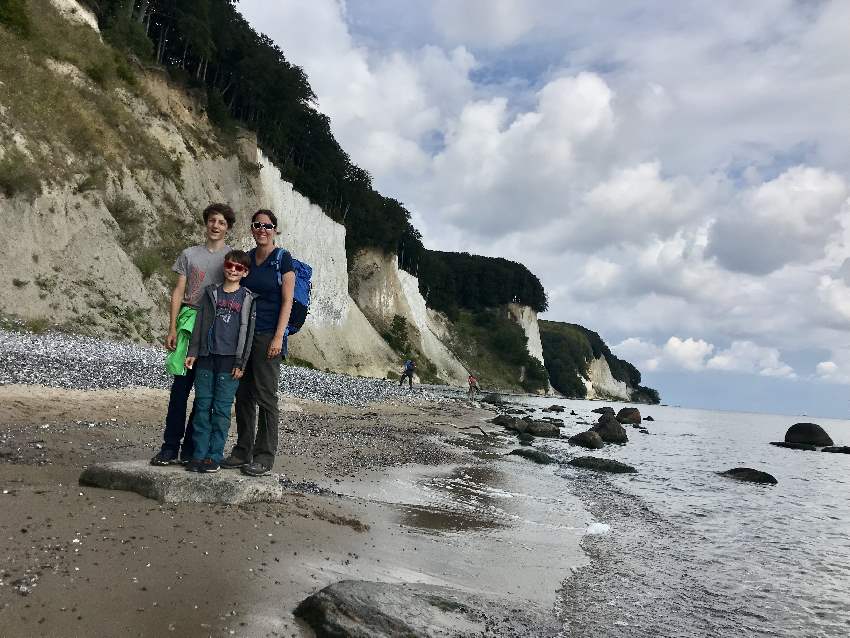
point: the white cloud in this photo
(486, 23)
(746, 356)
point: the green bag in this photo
(175, 362)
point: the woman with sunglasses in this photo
(256, 443)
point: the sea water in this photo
(678, 550)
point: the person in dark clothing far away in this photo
(409, 369)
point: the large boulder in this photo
(589, 439)
(534, 455)
(525, 438)
(750, 475)
(610, 429)
(629, 415)
(602, 465)
(810, 433)
(493, 398)
(173, 484)
(364, 609)
(794, 446)
(604, 410)
(554, 408)
(648, 418)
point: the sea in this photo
(679, 551)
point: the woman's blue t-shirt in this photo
(262, 281)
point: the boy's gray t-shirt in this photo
(201, 268)
(225, 327)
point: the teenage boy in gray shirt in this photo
(197, 267)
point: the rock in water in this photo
(629, 415)
(602, 465)
(794, 446)
(610, 429)
(605, 410)
(838, 449)
(588, 439)
(543, 428)
(505, 420)
(554, 408)
(173, 484)
(648, 418)
(525, 438)
(533, 455)
(810, 433)
(749, 474)
(493, 398)
(363, 609)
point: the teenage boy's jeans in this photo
(214, 394)
(176, 427)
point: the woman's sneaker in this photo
(208, 466)
(256, 469)
(233, 463)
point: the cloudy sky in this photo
(677, 175)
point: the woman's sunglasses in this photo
(259, 225)
(234, 265)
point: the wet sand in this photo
(408, 493)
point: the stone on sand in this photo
(602, 465)
(173, 484)
(365, 609)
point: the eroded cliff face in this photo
(601, 384)
(382, 290)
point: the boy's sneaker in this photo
(164, 457)
(193, 466)
(256, 469)
(233, 463)
(208, 466)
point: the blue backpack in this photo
(301, 297)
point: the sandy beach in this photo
(378, 493)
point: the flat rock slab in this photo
(173, 484)
(366, 609)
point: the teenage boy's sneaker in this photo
(208, 466)
(233, 463)
(256, 469)
(193, 466)
(164, 457)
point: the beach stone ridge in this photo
(173, 484)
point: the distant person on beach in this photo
(197, 267)
(218, 353)
(409, 369)
(272, 278)
(473, 386)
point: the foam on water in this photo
(597, 529)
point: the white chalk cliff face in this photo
(601, 384)
(382, 290)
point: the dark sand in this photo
(95, 562)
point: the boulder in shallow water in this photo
(554, 408)
(629, 415)
(589, 439)
(750, 475)
(493, 398)
(505, 420)
(810, 433)
(604, 410)
(364, 609)
(573, 413)
(837, 449)
(794, 446)
(643, 431)
(648, 418)
(525, 438)
(602, 465)
(533, 455)
(543, 428)
(610, 429)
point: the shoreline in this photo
(389, 491)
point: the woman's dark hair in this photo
(239, 256)
(269, 214)
(222, 209)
